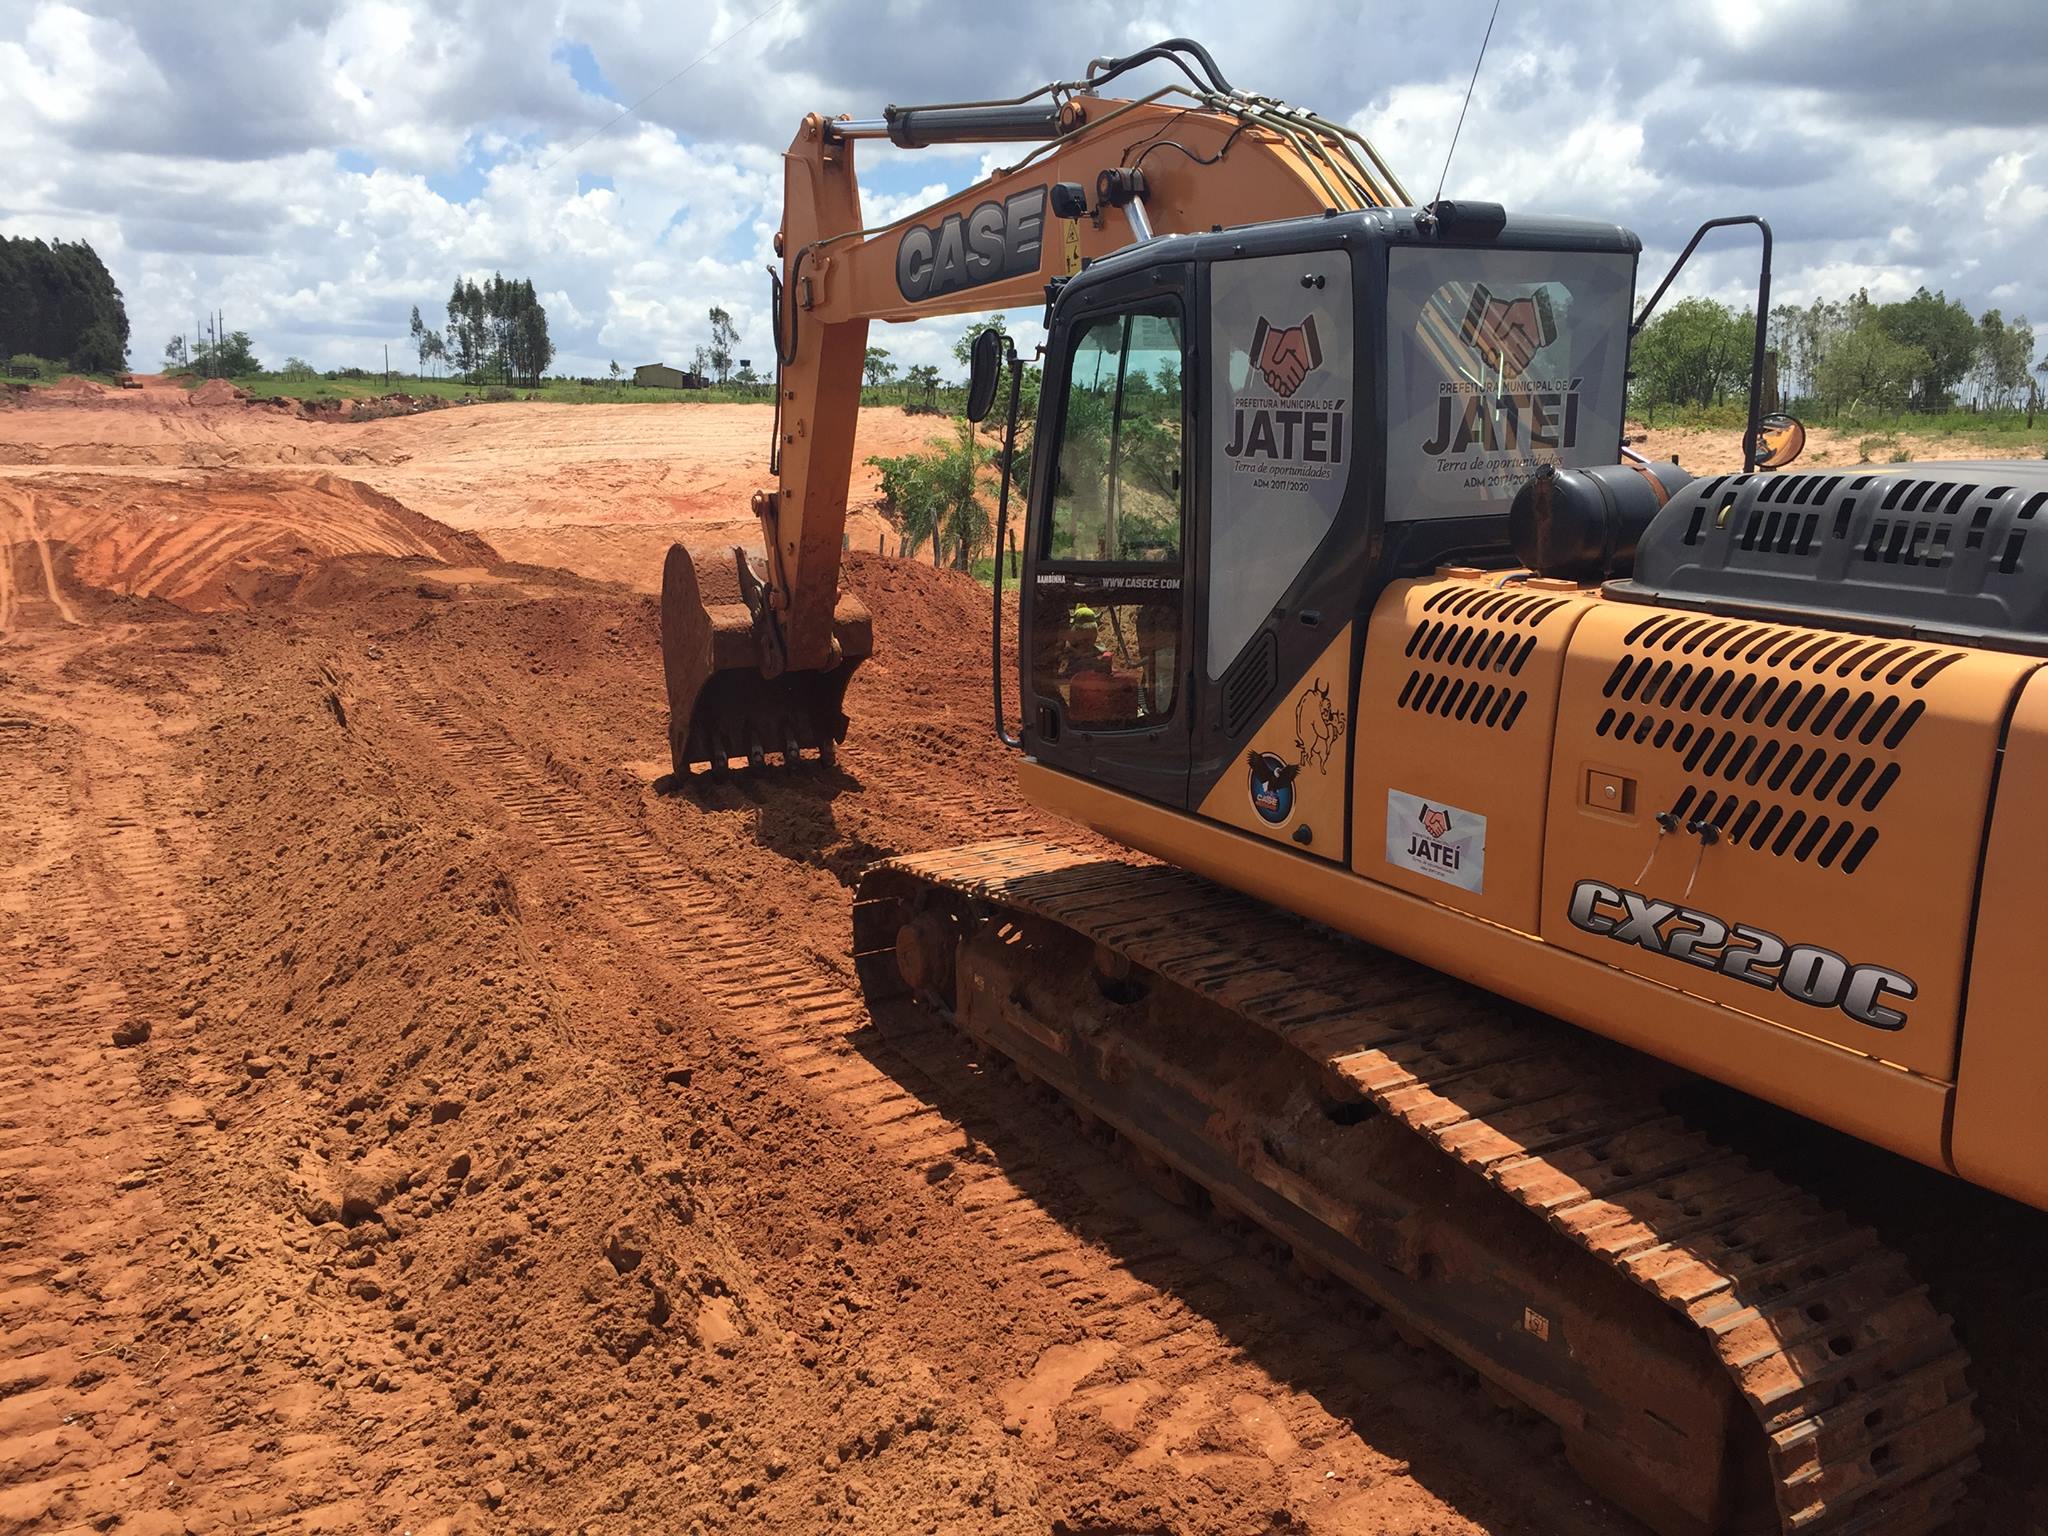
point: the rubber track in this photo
(1858, 1383)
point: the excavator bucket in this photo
(724, 701)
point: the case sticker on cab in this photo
(1438, 840)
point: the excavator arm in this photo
(758, 655)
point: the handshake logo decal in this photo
(1285, 356)
(1508, 333)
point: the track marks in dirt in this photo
(133, 1386)
(1187, 1369)
(17, 525)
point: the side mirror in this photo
(1779, 440)
(984, 374)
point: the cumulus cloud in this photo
(317, 170)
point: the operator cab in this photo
(1244, 435)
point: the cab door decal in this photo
(1283, 433)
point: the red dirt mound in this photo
(233, 541)
(217, 392)
(72, 387)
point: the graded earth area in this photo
(601, 489)
(415, 1117)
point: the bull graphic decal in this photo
(1318, 727)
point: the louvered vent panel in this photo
(1789, 760)
(1945, 550)
(1470, 649)
(1249, 684)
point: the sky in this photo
(314, 170)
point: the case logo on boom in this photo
(1804, 972)
(996, 239)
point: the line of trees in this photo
(920, 382)
(212, 353)
(57, 300)
(718, 360)
(1837, 357)
(941, 494)
(497, 328)
(431, 345)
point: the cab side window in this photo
(1107, 607)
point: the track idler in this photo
(730, 697)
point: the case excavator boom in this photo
(757, 650)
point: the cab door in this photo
(1284, 553)
(1103, 634)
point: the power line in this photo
(760, 16)
(1468, 101)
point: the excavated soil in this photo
(602, 490)
(415, 1117)
(1714, 451)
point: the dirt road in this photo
(413, 1120)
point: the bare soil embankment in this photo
(602, 490)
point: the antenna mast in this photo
(1468, 101)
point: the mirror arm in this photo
(1002, 530)
(1763, 320)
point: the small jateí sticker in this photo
(1436, 839)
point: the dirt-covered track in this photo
(1863, 1416)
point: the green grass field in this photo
(561, 391)
(52, 375)
(2006, 431)
(558, 391)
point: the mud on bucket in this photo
(722, 706)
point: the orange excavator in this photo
(758, 652)
(1485, 787)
